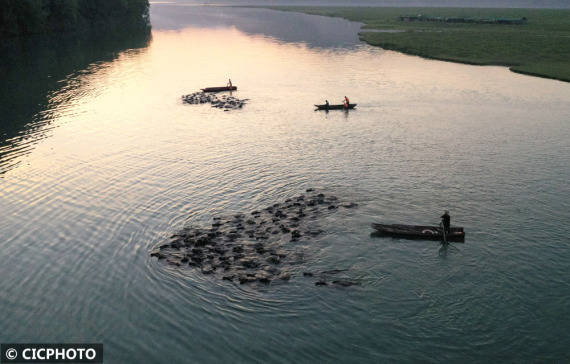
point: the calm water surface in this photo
(100, 161)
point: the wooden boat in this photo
(419, 232)
(219, 89)
(335, 107)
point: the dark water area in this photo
(102, 164)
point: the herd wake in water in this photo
(255, 247)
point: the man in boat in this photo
(327, 104)
(229, 83)
(446, 221)
(346, 102)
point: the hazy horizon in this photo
(549, 4)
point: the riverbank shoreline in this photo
(25, 18)
(539, 48)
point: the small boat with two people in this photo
(346, 105)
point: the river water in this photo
(100, 161)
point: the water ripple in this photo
(111, 164)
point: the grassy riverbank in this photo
(540, 47)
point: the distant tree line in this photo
(23, 17)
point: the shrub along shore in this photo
(27, 17)
(538, 46)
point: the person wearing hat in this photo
(446, 221)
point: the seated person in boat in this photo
(446, 221)
(327, 103)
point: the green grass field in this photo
(541, 47)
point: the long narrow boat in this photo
(219, 89)
(335, 107)
(456, 233)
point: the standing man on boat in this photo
(346, 102)
(327, 104)
(446, 221)
(229, 83)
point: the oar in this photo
(444, 235)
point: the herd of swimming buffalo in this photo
(223, 102)
(258, 246)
